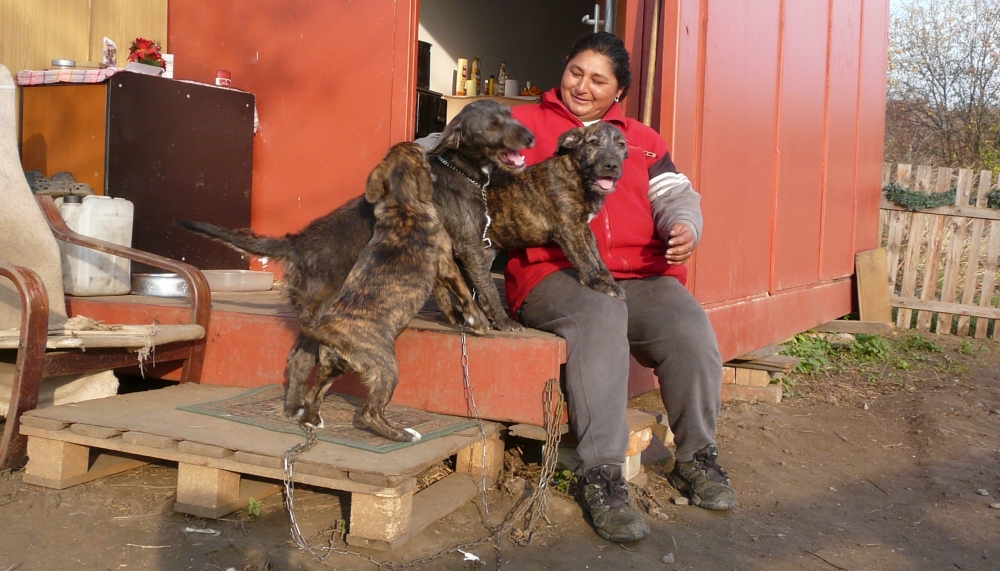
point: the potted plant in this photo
(144, 57)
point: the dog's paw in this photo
(315, 424)
(617, 291)
(477, 323)
(505, 323)
(611, 288)
(295, 413)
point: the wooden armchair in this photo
(35, 341)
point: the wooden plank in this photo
(897, 223)
(199, 449)
(94, 431)
(32, 32)
(914, 240)
(975, 254)
(155, 412)
(761, 353)
(779, 363)
(124, 21)
(116, 444)
(966, 211)
(872, 269)
(59, 465)
(148, 440)
(932, 262)
(989, 273)
(42, 423)
(855, 327)
(930, 306)
(64, 128)
(534, 432)
(956, 246)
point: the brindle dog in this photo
(409, 254)
(555, 200)
(482, 140)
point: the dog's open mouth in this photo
(606, 183)
(513, 159)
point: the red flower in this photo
(147, 52)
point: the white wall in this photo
(532, 36)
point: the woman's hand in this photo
(681, 243)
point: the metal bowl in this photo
(238, 280)
(159, 285)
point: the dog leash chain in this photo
(482, 191)
(479, 422)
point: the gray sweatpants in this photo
(663, 326)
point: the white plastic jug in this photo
(86, 271)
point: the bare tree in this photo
(944, 83)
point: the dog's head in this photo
(484, 133)
(598, 152)
(403, 176)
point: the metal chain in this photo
(487, 243)
(537, 502)
(479, 421)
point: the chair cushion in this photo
(26, 239)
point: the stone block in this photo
(381, 518)
(752, 377)
(770, 393)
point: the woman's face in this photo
(589, 86)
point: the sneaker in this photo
(704, 481)
(608, 500)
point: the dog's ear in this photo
(450, 138)
(425, 184)
(375, 189)
(569, 140)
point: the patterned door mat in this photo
(263, 407)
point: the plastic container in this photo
(87, 272)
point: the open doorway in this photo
(530, 37)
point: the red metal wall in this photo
(335, 87)
(777, 116)
(775, 109)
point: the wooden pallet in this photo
(222, 463)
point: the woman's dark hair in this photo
(611, 47)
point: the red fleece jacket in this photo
(624, 228)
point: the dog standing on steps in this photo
(409, 254)
(555, 200)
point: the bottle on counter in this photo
(476, 75)
(502, 79)
(463, 76)
(491, 86)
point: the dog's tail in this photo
(243, 240)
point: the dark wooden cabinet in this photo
(177, 150)
(431, 111)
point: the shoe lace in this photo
(618, 489)
(611, 488)
(706, 460)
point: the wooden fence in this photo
(943, 261)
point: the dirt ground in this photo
(876, 463)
